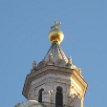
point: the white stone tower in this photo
(55, 81)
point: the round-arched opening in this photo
(40, 95)
(59, 97)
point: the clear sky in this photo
(24, 27)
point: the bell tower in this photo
(55, 81)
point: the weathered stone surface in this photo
(54, 71)
(49, 78)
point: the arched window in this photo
(40, 95)
(59, 97)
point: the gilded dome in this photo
(56, 35)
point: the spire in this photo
(55, 54)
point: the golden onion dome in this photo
(55, 34)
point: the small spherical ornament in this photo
(56, 35)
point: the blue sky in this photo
(24, 27)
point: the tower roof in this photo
(55, 55)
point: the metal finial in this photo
(56, 25)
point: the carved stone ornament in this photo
(51, 60)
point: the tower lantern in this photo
(55, 81)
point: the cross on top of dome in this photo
(56, 25)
